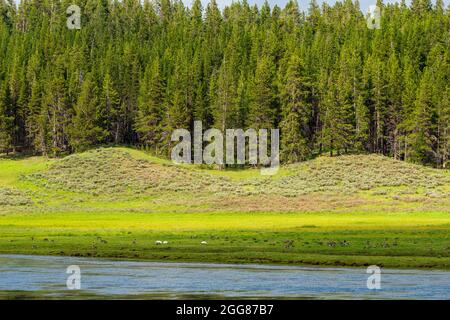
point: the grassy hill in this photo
(116, 202)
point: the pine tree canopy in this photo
(137, 70)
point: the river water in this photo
(45, 277)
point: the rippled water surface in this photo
(44, 276)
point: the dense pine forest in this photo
(136, 71)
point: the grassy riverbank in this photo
(345, 211)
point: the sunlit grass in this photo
(116, 202)
(394, 240)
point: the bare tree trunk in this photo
(406, 148)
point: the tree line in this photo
(136, 71)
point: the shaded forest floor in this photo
(116, 202)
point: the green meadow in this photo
(353, 210)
